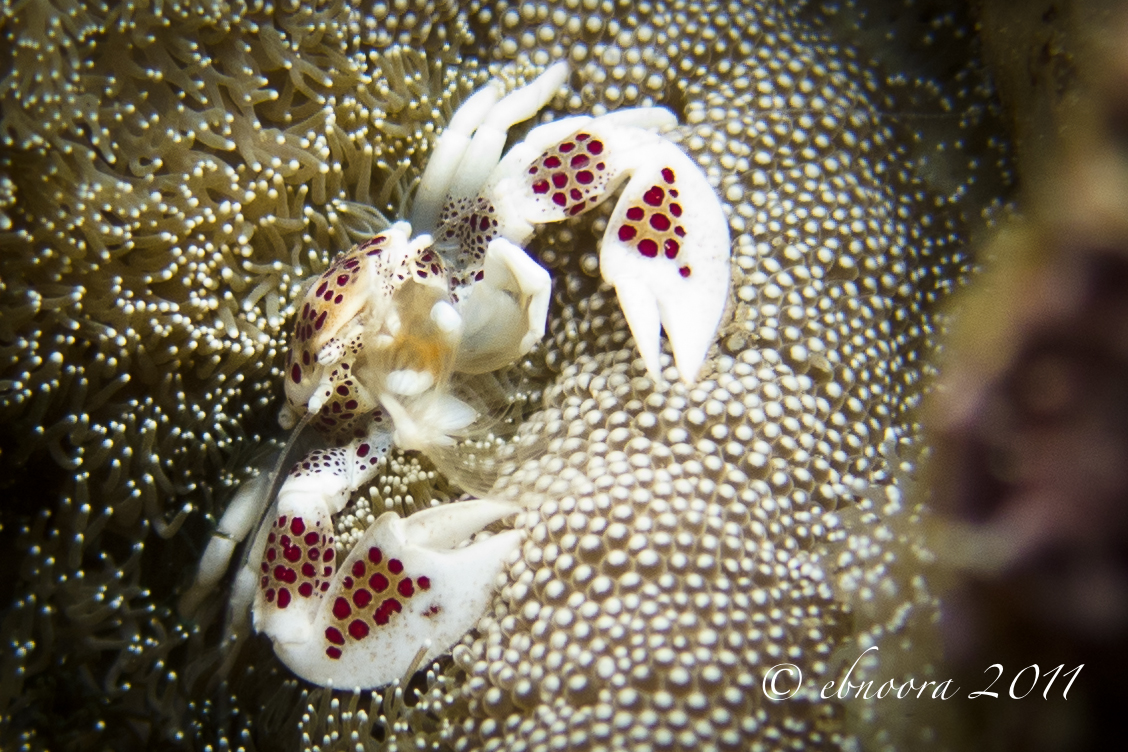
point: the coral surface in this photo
(172, 173)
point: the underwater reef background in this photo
(172, 173)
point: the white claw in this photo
(669, 263)
(407, 590)
(640, 308)
(447, 525)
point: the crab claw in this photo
(402, 589)
(296, 552)
(505, 313)
(666, 251)
(666, 248)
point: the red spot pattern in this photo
(428, 264)
(337, 281)
(345, 415)
(340, 418)
(566, 176)
(288, 562)
(319, 323)
(370, 596)
(651, 226)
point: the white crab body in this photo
(379, 333)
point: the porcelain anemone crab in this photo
(380, 332)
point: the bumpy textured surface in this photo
(172, 175)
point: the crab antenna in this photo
(278, 476)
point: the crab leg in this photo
(504, 314)
(489, 139)
(242, 512)
(447, 155)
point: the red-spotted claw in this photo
(402, 589)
